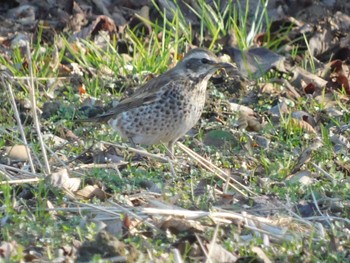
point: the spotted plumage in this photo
(167, 107)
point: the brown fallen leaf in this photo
(302, 78)
(91, 191)
(345, 167)
(178, 225)
(338, 78)
(305, 116)
(17, 153)
(62, 180)
(240, 108)
(303, 125)
(101, 23)
(305, 156)
(302, 177)
(249, 122)
(219, 254)
(8, 250)
(110, 223)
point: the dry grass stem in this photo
(22, 181)
(114, 166)
(7, 167)
(132, 214)
(35, 115)
(20, 126)
(208, 259)
(319, 169)
(216, 170)
(138, 151)
(213, 242)
(177, 256)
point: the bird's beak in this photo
(223, 65)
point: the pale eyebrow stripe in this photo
(199, 55)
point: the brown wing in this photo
(155, 84)
(124, 105)
(146, 94)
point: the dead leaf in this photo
(249, 122)
(261, 254)
(310, 88)
(101, 23)
(91, 191)
(262, 141)
(62, 180)
(178, 225)
(112, 224)
(278, 110)
(54, 140)
(255, 62)
(8, 250)
(219, 254)
(304, 116)
(303, 125)
(24, 14)
(240, 108)
(302, 177)
(17, 153)
(302, 78)
(320, 41)
(171, 9)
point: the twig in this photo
(164, 159)
(22, 181)
(177, 256)
(324, 218)
(19, 123)
(5, 173)
(214, 169)
(172, 169)
(124, 210)
(132, 214)
(101, 165)
(317, 207)
(115, 259)
(35, 115)
(138, 151)
(41, 78)
(7, 167)
(319, 169)
(79, 209)
(212, 243)
(203, 248)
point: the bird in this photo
(168, 106)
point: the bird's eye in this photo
(205, 61)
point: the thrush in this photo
(168, 106)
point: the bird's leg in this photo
(170, 149)
(132, 142)
(137, 157)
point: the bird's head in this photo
(200, 64)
